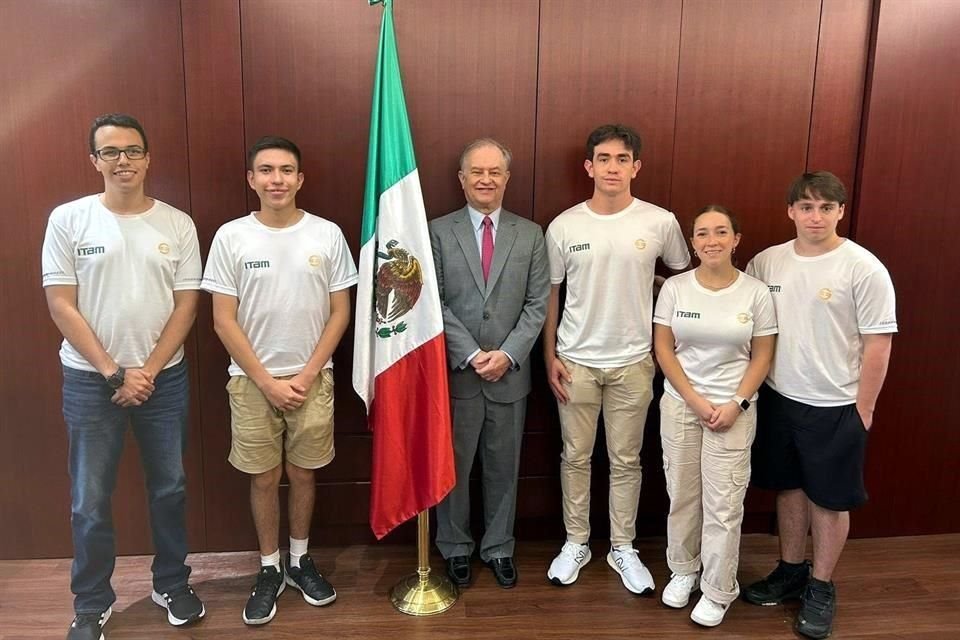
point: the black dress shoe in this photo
(504, 571)
(458, 568)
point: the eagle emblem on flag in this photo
(399, 281)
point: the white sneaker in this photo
(636, 577)
(565, 568)
(677, 593)
(708, 613)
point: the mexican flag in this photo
(399, 361)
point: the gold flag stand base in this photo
(423, 596)
(420, 593)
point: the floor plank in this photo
(887, 588)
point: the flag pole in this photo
(423, 593)
(393, 212)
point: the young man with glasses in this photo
(121, 272)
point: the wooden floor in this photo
(887, 588)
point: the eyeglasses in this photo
(110, 154)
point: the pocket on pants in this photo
(739, 479)
(666, 475)
(740, 436)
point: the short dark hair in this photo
(116, 120)
(718, 208)
(819, 184)
(272, 142)
(629, 137)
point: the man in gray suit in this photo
(494, 282)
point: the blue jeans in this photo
(96, 429)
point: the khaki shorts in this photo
(258, 429)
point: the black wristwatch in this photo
(743, 403)
(115, 379)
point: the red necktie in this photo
(486, 251)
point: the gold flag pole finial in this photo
(423, 593)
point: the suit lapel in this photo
(463, 231)
(506, 235)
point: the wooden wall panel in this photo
(464, 81)
(838, 92)
(602, 62)
(218, 188)
(87, 66)
(910, 184)
(743, 111)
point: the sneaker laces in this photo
(573, 551)
(683, 580)
(174, 594)
(268, 577)
(83, 619)
(817, 598)
(308, 572)
(627, 558)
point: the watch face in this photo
(744, 404)
(115, 380)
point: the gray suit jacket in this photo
(506, 313)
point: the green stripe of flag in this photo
(390, 155)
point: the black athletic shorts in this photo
(818, 449)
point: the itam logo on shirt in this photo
(257, 264)
(688, 314)
(90, 251)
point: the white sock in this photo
(272, 560)
(298, 549)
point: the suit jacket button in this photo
(486, 315)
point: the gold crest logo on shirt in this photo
(640, 244)
(824, 294)
(314, 261)
(163, 248)
(743, 318)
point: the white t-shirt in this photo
(713, 330)
(125, 268)
(282, 279)
(824, 304)
(608, 262)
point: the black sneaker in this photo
(817, 606)
(262, 605)
(784, 583)
(87, 626)
(314, 587)
(182, 605)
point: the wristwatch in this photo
(115, 379)
(743, 403)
